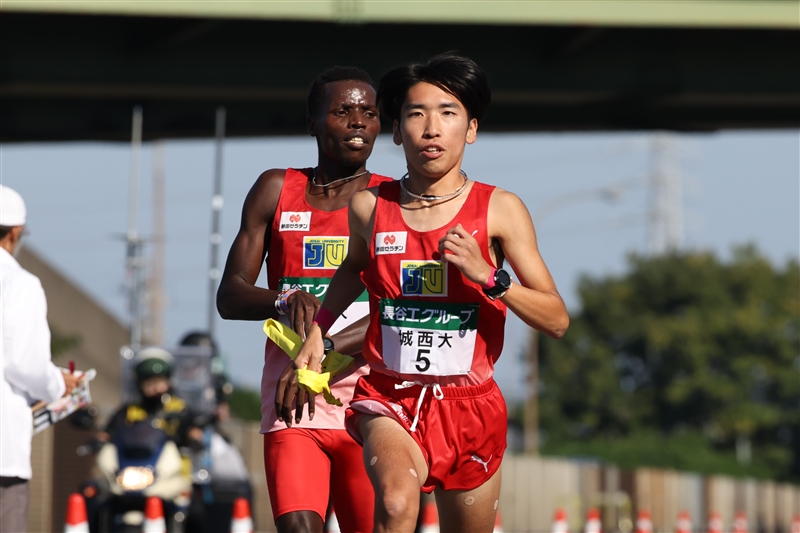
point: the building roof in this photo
(661, 13)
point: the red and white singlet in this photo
(429, 324)
(306, 247)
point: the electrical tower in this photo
(135, 262)
(665, 210)
(155, 297)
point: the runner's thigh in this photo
(390, 454)
(351, 490)
(295, 463)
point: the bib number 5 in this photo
(423, 363)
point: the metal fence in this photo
(535, 487)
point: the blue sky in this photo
(738, 187)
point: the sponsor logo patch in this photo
(324, 252)
(392, 242)
(295, 221)
(423, 278)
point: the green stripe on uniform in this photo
(315, 286)
(429, 315)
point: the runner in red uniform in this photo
(430, 251)
(298, 220)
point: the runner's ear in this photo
(472, 131)
(311, 124)
(397, 137)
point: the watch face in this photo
(502, 279)
(327, 344)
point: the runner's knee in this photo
(399, 502)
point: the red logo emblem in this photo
(294, 218)
(389, 239)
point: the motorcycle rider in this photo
(153, 368)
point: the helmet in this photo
(200, 338)
(152, 362)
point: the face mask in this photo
(20, 243)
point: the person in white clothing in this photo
(26, 371)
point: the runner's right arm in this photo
(238, 297)
(346, 284)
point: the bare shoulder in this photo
(362, 204)
(262, 200)
(270, 181)
(509, 205)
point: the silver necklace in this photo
(431, 197)
(348, 178)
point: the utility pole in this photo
(665, 213)
(156, 299)
(134, 244)
(530, 417)
(530, 436)
(216, 211)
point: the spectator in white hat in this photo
(26, 371)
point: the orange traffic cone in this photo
(430, 518)
(154, 516)
(643, 522)
(796, 523)
(498, 524)
(740, 522)
(242, 520)
(560, 524)
(715, 524)
(76, 520)
(684, 524)
(593, 524)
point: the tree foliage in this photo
(245, 403)
(682, 344)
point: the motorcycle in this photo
(140, 462)
(219, 477)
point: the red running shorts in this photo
(296, 459)
(462, 435)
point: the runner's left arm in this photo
(534, 298)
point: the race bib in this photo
(436, 339)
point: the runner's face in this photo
(347, 124)
(434, 127)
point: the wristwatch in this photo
(502, 282)
(327, 345)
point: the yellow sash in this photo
(313, 382)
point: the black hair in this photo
(316, 93)
(5, 230)
(457, 75)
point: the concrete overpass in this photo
(73, 69)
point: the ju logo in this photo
(324, 252)
(423, 278)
